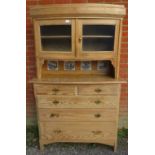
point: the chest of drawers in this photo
(77, 112)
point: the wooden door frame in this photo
(54, 54)
(96, 55)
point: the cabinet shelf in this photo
(85, 36)
(97, 36)
(54, 37)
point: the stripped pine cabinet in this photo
(77, 88)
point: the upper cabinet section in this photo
(77, 31)
(77, 38)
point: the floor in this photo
(79, 149)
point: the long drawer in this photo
(79, 132)
(98, 89)
(55, 89)
(77, 115)
(45, 101)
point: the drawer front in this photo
(79, 132)
(77, 115)
(54, 90)
(98, 89)
(45, 101)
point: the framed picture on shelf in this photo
(86, 65)
(52, 65)
(69, 65)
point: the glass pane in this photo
(55, 30)
(56, 38)
(98, 38)
(98, 30)
(56, 44)
(97, 44)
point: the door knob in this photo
(80, 39)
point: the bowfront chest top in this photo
(77, 88)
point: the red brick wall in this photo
(30, 57)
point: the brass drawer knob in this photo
(97, 115)
(96, 132)
(54, 115)
(57, 131)
(55, 102)
(97, 90)
(55, 89)
(97, 101)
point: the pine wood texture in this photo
(55, 90)
(78, 132)
(76, 115)
(74, 102)
(98, 89)
(79, 79)
(78, 10)
(80, 104)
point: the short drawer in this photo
(98, 89)
(47, 101)
(79, 132)
(54, 89)
(77, 115)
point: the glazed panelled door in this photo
(97, 38)
(56, 38)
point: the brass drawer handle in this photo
(55, 90)
(96, 132)
(57, 131)
(55, 102)
(97, 115)
(54, 115)
(97, 101)
(97, 90)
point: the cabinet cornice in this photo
(78, 10)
